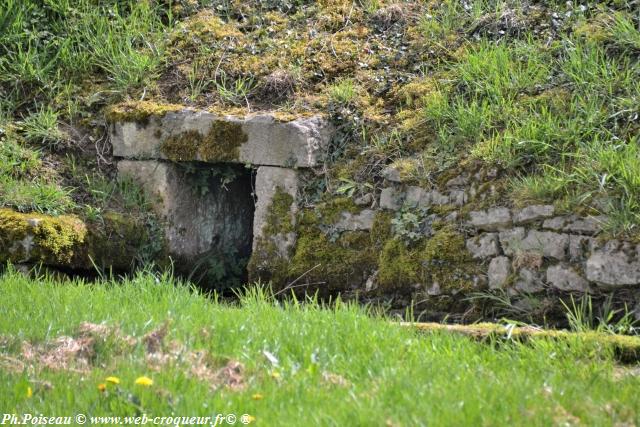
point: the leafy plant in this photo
(411, 224)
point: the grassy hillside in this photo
(284, 363)
(544, 93)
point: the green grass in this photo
(329, 366)
(24, 184)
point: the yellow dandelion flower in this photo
(29, 392)
(144, 381)
(102, 387)
(112, 380)
(257, 396)
(275, 375)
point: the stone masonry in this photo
(195, 224)
(521, 250)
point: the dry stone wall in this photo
(528, 249)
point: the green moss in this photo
(413, 93)
(625, 348)
(408, 169)
(398, 266)
(139, 112)
(333, 262)
(202, 28)
(279, 219)
(341, 264)
(447, 260)
(182, 147)
(115, 242)
(330, 211)
(441, 259)
(381, 231)
(39, 238)
(221, 144)
(267, 263)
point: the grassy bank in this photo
(545, 93)
(283, 363)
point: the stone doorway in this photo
(207, 212)
(214, 226)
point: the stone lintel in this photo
(190, 135)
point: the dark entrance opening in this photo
(216, 224)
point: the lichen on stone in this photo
(279, 219)
(267, 262)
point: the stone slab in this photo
(267, 141)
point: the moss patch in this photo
(625, 348)
(346, 262)
(40, 238)
(221, 143)
(441, 259)
(139, 112)
(267, 263)
(115, 241)
(448, 262)
(279, 219)
(399, 266)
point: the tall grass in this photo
(46, 46)
(302, 363)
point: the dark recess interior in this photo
(221, 222)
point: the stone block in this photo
(390, 198)
(511, 240)
(190, 135)
(422, 198)
(491, 220)
(580, 247)
(483, 246)
(557, 223)
(566, 279)
(587, 225)
(391, 173)
(355, 222)
(499, 272)
(269, 181)
(533, 213)
(529, 281)
(613, 269)
(548, 243)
